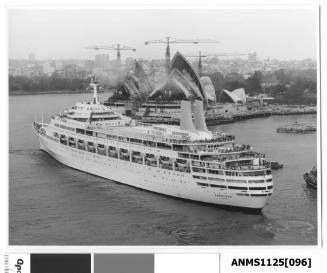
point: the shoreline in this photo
(26, 93)
(212, 121)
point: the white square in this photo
(18, 262)
(186, 263)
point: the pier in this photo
(276, 110)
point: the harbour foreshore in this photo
(212, 119)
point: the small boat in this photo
(112, 150)
(101, 149)
(275, 165)
(297, 128)
(124, 152)
(137, 155)
(165, 160)
(151, 158)
(80, 144)
(311, 178)
(91, 147)
(181, 162)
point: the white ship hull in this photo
(167, 182)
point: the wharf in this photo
(221, 119)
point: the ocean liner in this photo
(186, 161)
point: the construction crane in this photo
(117, 47)
(170, 40)
(203, 55)
(200, 56)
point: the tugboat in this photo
(297, 128)
(275, 165)
(311, 178)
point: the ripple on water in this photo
(284, 226)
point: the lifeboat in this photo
(72, 141)
(151, 158)
(124, 152)
(90, 147)
(165, 160)
(181, 162)
(81, 144)
(112, 150)
(101, 149)
(63, 139)
(137, 155)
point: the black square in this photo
(61, 263)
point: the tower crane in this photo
(170, 40)
(200, 56)
(203, 55)
(116, 47)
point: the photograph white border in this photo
(316, 250)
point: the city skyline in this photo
(284, 34)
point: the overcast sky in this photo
(64, 34)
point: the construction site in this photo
(152, 91)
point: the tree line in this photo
(290, 86)
(46, 83)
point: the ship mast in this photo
(95, 87)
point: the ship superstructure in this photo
(186, 161)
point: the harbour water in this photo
(51, 204)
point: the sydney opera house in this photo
(184, 83)
(135, 85)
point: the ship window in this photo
(216, 179)
(199, 170)
(256, 181)
(199, 177)
(101, 135)
(237, 188)
(178, 148)
(258, 195)
(269, 180)
(163, 145)
(215, 172)
(259, 173)
(111, 137)
(202, 184)
(80, 131)
(270, 187)
(268, 172)
(67, 128)
(235, 181)
(242, 194)
(217, 186)
(89, 133)
(257, 188)
(182, 155)
(194, 156)
(80, 119)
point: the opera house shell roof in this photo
(135, 83)
(236, 96)
(183, 82)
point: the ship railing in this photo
(248, 167)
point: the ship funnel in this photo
(186, 122)
(199, 120)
